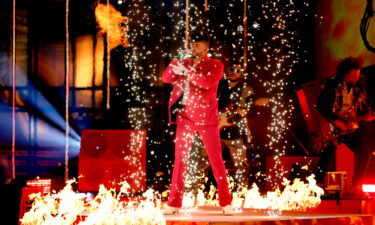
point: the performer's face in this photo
(235, 72)
(199, 49)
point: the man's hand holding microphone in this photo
(179, 68)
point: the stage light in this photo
(39, 183)
(368, 188)
(48, 125)
(45, 184)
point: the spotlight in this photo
(369, 188)
(45, 184)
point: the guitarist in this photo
(235, 100)
(344, 103)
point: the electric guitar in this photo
(352, 125)
(227, 113)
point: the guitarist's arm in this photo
(233, 113)
(246, 101)
(325, 104)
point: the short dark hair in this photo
(346, 65)
(200, 36)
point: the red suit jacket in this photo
(201, 107)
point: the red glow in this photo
(339, 30)
(302, 98)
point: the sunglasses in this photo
(234, 70)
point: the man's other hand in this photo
(179, 69)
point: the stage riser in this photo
(346, 206)
(214, 216)
(355, 220)
(111, 156)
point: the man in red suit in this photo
(195, 82)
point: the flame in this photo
(296, 196)
(112, 21)
(69, 207)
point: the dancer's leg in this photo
(184, 138)
(211, 140)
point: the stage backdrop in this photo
(338, 35)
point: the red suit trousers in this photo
(185, 133)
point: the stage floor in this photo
(214, 216)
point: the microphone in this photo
(184, 54)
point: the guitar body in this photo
(227, 113)
(226, 117)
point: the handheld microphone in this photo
(184, 54)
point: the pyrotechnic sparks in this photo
(273, 49)
(273, 62)
(271, 59)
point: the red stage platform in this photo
(214, 216)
